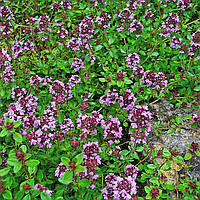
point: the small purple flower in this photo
(60, 170)
(112, 129)
(175, 42)
(127, 100)
(42, 189)
(196, 39)
(103, 20)
(17, 49)
(157, 80)
(75, 79)
(110, 98)
(67, 125)
(85, 29)
(132, 60)
(77, 64)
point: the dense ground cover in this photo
(77, 81)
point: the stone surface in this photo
(164, 112)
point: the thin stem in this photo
(79, 190)
(141, 161)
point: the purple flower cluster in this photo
(6, 26)
(59, 90)
(110, 98)
(43, 24)
(127, 100)
(42, 189)
(139, 118)
(3, 160)
(138, 71)
(62, 33)
(128, 22)
(60, 170)
(121, 187)
(77, 64)
(132, 60)
(76, 44)
(18, 92)
(149, 14)
(175, 42)
(7, 74)
(103, 20)
(92, 57)
(112, 129)
(65, 4)
(23, 105)
(48, 119)
(85, 29)
(97, 2)
(196, 118)
(86, 96)
(5, 13)
(157, 80)
(88, 124)
(92, 160)
(136, 27)
(75, 79)
(117, 153)
(195, 44)
(184, 4)
(67, 125)
(170, 25)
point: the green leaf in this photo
(17, 124)
(178, 119)
(124, 152)
(65, 161)
(167, 165)
(17, 167)
(197, 153)
(79, 168)
(19, 195)
(66, 178)
(23, 148)
(154, 180)
(98, 47)
(12, 161)
(59, 198)
(78, 159)
(197, 88)
(32, 163)
(4, 132)
(4, 171)
(17, 137)
(188, 117)
(102, 80)
(84, 182)
(40, 175)
(147, 189)
(187, 156)
(127, 81)
(135, 155)
(111, 40)
(27, 197)
(151, 166)
(45, 196)
(166, 152)
(169, 186)
(7, 194)
(155, 54)
(140, 149)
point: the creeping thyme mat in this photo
(99, 100)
